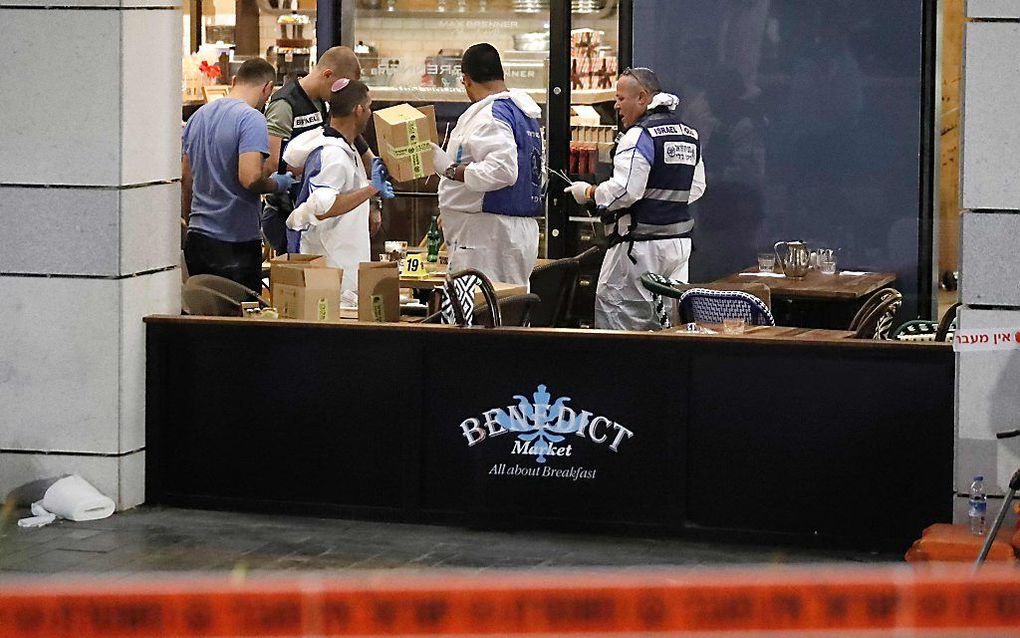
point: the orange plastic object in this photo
(955, 543)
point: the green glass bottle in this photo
(433, 240)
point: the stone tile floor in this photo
(150, 539)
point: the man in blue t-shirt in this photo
(223, 171)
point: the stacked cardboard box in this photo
(304, 287)
(405, 136)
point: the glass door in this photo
(410, 52)
(583, 119)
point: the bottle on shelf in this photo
(978, 506)
(432, 241)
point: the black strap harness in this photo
(631, 236)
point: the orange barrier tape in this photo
(767, 602)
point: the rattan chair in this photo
(948, 324)
(515, 310)
(587, 261)
(237, 292)
(197, 300)
(874, 320)
(554, 283)
(704, 305)
(661, 287)
(457, 299)
(927, 330)
(915, 330)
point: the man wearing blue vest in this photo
(657, 172)
(491, 189)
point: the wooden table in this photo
(428, 284)
(771, 332)
(844, 285)
(816, 300)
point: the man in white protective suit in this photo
(492, 170)
(657, 172)
(333, 205)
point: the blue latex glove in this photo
(283, 181)
(379, 179)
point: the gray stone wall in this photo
(89, 209)
(988, 383)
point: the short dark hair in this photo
(644, 77)
(481, 63)
(255, 72)
(343, 102)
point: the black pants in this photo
(238, 261)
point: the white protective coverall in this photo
(344, 240)
(503, 247)
(621, 302)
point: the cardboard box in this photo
(405, 135)
(378, 291)
(304, 287)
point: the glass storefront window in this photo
(410, 51)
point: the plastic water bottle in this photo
(978, 506)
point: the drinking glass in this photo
(397, 250)
(827, 261)
(733, 326)
(766, 262)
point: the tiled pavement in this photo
(163, 539)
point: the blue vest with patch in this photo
(524, 198)
(676, 153)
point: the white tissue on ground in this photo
(37, 521)
(73, 498)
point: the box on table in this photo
(378, 291)
(405, 136)
(304, 287)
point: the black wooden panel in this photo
(852, 441)
(294, 415)
(469, 374)
(814, 440)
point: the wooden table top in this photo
(771, 332)
(422, 283)
(844, 285)
(428, 283)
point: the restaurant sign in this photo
(543, 430)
